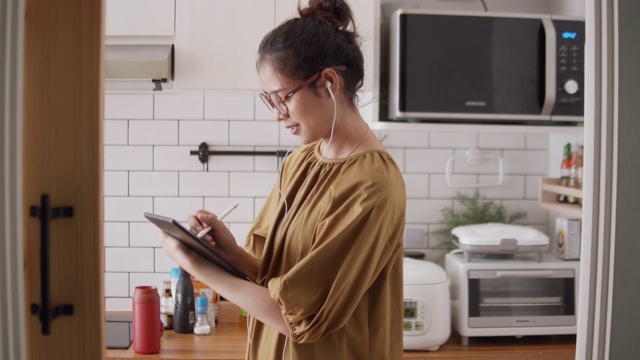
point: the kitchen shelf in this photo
(480, 128)
(549, 190)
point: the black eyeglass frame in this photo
(274, 101)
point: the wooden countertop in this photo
(227, 341)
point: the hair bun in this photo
(333, 12)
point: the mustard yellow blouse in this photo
(332, 258)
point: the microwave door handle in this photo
(550, 66)
(525, 274)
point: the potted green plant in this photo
(476, 209)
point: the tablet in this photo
(173, 228)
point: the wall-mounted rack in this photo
(548, 198)
(203, 154)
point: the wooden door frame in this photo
(608, 261)
(62, 157)
(12, 324)
(14, 314)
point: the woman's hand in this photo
(176, 250)
(219, 236)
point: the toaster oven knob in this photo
(570, 87)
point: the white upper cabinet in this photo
(364, 14)
(216, 41)
(140, 18)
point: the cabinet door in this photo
(216, 42)
(140, 17)
(363, 12)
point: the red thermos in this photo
(147, 327)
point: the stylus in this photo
(220, 217)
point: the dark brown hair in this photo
(323, 36)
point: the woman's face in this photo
(310, 115)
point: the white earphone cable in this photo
(305, 183)
(284, 348)
(286, 206)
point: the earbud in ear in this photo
(328, 85)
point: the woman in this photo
(326, 248)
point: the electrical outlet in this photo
(414, 238)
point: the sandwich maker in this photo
(499, 240)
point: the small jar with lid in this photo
(202, 326)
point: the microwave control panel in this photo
(570, 42)
(416, 321)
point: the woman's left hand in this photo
(175, 249)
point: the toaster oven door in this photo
(521, 298)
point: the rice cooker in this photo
(427, 311)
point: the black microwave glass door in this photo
(471, 64)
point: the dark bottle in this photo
(565, 171)
(185, 309)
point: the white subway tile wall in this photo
(215, 133)
(149, 166)
(229, 105)
(153, 132)
(128, 106)
(179, 106)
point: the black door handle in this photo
(46, 314)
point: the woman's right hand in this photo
(219, 236)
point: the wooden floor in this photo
(557, 347)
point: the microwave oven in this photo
(482, 67)
(518, 296)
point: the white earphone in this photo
(328, 84)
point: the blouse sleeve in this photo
(358, 234)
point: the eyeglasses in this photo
(275, 101)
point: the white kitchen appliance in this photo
(515, 296)
(499, 240)
(427, 317)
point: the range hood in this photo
(140, 63)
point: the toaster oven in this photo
(516, 296)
